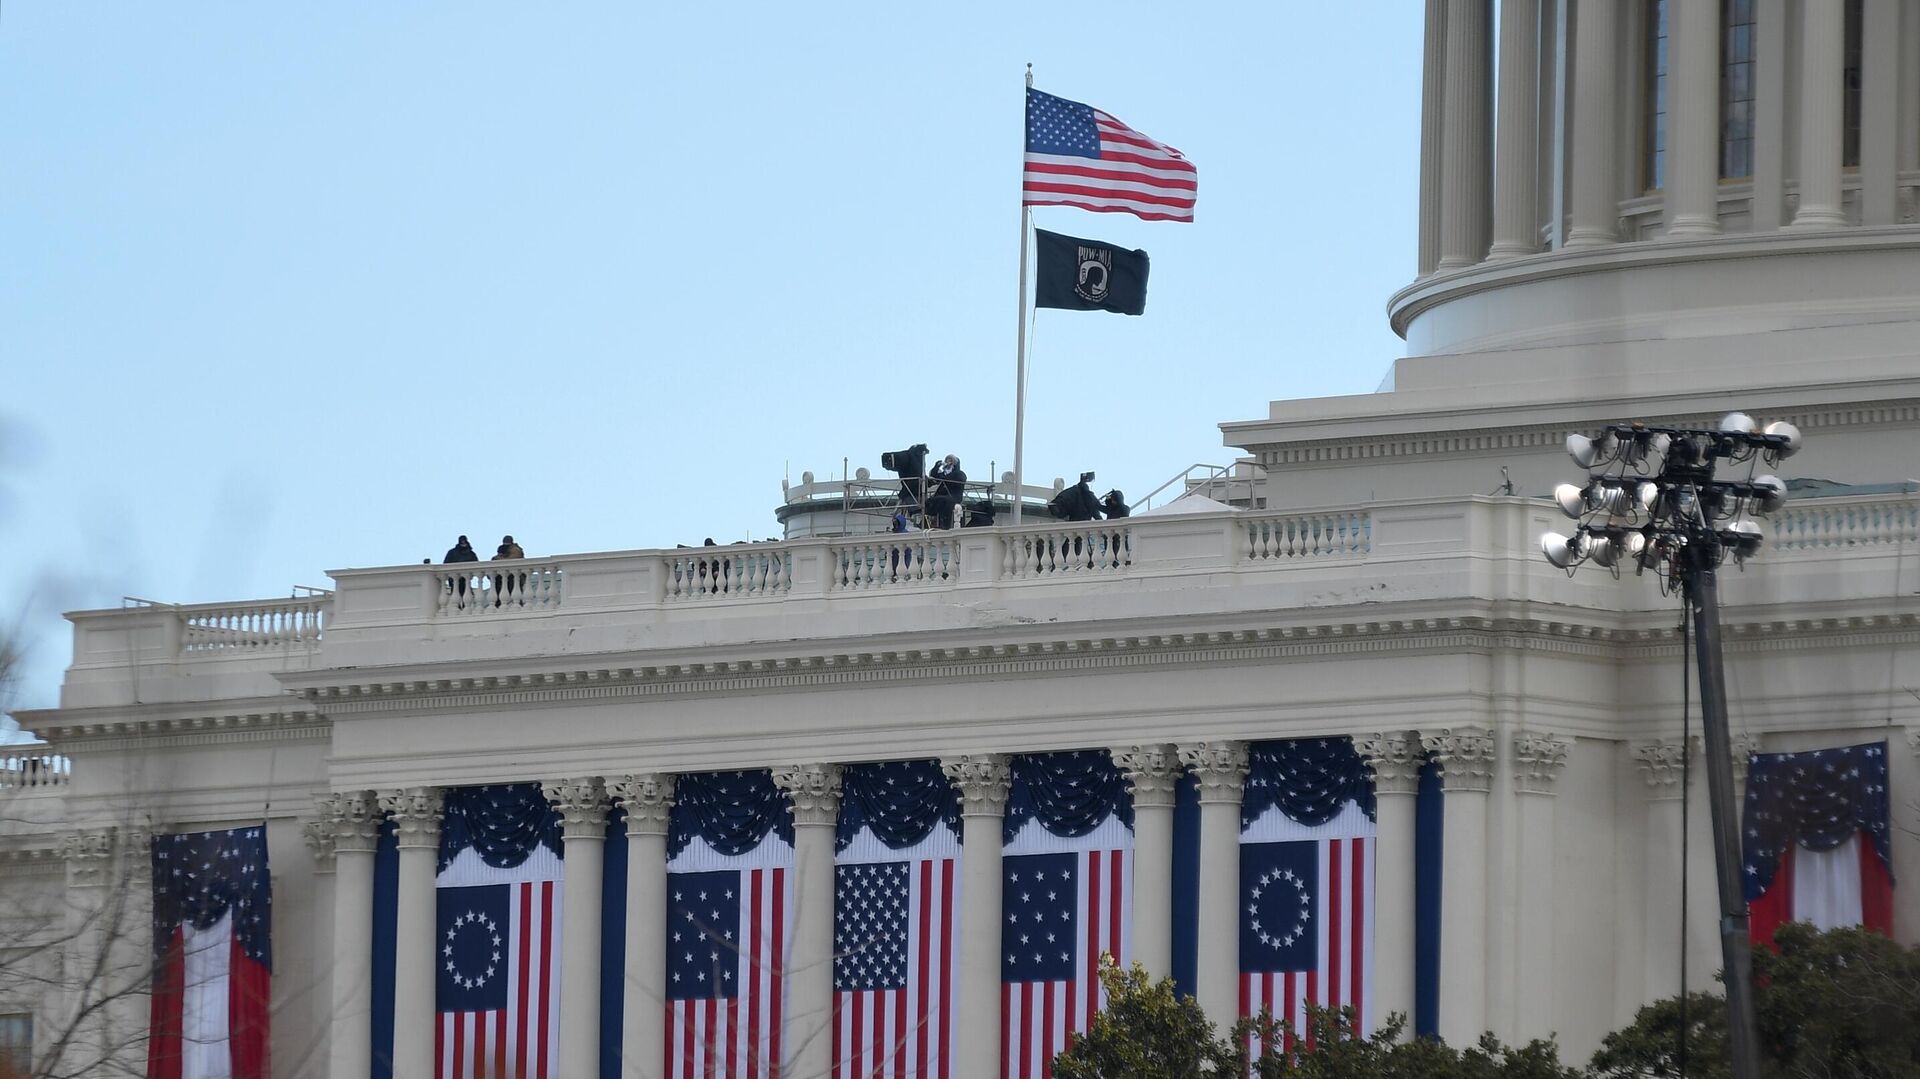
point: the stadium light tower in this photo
(1652, 501)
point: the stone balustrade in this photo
(481, 588)
(1854, 522)
(707, 573)
(252, 626)
(23, 771)
(1308, 535)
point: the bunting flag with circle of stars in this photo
(729, 920)
(1066, 901)
(1306, 883)
(896, 887)
(497, 948)
(212, 954)
(1815, 835)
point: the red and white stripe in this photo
(517, 1040)
(1038, 1018)
(739, 1036)
(1344, 975)
(1134, 174)
(1847, 885)
(907, 1033)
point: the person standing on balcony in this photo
(460, 552)
(946, 487)
(503, 583)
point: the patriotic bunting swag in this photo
(1815, 840)
(896, 886)
(1306, 882)
(212, 956)
(496, 956)
(729, 918)
(1066, 898)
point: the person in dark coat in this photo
(946, 486)
(503, 583)
(460, 552)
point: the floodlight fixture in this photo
(1738, 423)
(1785, 437)
(1559, 550)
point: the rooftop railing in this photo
(34, 771)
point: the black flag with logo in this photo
(1087, 275)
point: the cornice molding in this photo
(1467, 633)
(37, 861)
(213, 728)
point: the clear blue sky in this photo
(289, 288)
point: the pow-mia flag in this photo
(1087, 275)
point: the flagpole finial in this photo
(1029, 76)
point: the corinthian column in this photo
(1516, 220)
(582, 804)
(1466, 757)
(815, 792)
(1153, 773)
(1395, 758)
(647, 799)
(416, 822)
(353, 818)
(1466, 162)
(1596, 214)
(1221, 768)
(982, 779)
(1538, 759)
(1822, 106)
(318, 834)
(1693, 133)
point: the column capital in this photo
(416, 814)
(1744, 747)
(1221, 768)
(982, 779)
(1395, 757)
(320, 842)
(814, 790)
(354, 819)
(1152, 771)
(582, 804)
(648, 799)
(1466, 756)
(89, 854)
(1538, 758)
(1662, 765)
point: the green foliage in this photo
(1148, 1031)
(1841, 1003)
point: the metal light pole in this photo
(1654, 503)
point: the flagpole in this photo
(1020, 365)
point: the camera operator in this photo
(946, 487)
(1077, 503)
(910, 465)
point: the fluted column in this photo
(1822, 59)
(647, 799)
(582, 804)
(1596, 213)
(1662, 766)
(1538, 759)
(982, 780)
(1880, 111)
(1221, 769)
(1516, 186)
(1771, 50)
(416, 822)
(1153, 776)
(1466, 757)
(814, 790)
(1693, 127)
(318, 836)
(354, 820)
(1395, 758)
(1432, 99)
(1466, 185)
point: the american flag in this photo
(893, 967)
(1306, 883)
(726, 936)
(1080, 156)
(213, 955)
(498, 992)
(1061, 911)
(1816, 836)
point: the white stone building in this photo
(1678, 208)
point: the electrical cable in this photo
(1686, 831)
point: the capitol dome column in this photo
(1466, 758)
(1221, 768)
(1153, 775)
(982, 780)
(1538, 759)
(1395, 758)
(647, 799)
(582, 804)
(1822, 104)
(1516, 220)
(1432, 95)
(416, 823)
(1595, 202)
(354, 819)
(1693, 133)
(1466, 187)
(814, 790)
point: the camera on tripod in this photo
(911, 461)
